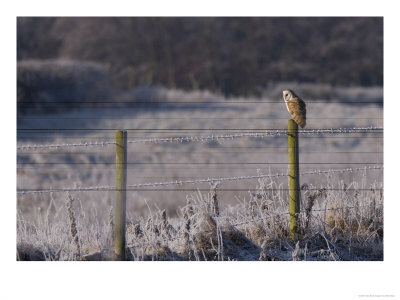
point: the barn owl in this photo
(296, 107)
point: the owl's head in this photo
(288, 94)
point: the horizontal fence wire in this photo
(271, 215)
(66, 145)
(341, 130)
(224, 179)
(149, 101)
(198, 181)
(84, 117)
(183, 129)
(195, 163)
(183, 139)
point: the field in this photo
(342, 213)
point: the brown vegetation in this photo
(335, 225)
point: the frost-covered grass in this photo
(339, 222)
(90, 166)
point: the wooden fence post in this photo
(120, 194)
(294, 185)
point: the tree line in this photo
(231, 55)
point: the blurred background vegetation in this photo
(71, 57)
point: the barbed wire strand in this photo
(183, 139)
(198, 181)
(66, 145)
(207, 138)
(341, 130)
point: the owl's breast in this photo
(287, 107)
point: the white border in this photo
(180, 280)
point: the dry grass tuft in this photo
(335, 224)
(73, 227)
(214, 200)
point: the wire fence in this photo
(207, 138)
(198, 181)
(183, 139)
(121, 164)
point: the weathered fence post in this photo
(120, 194)
(294, 185)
